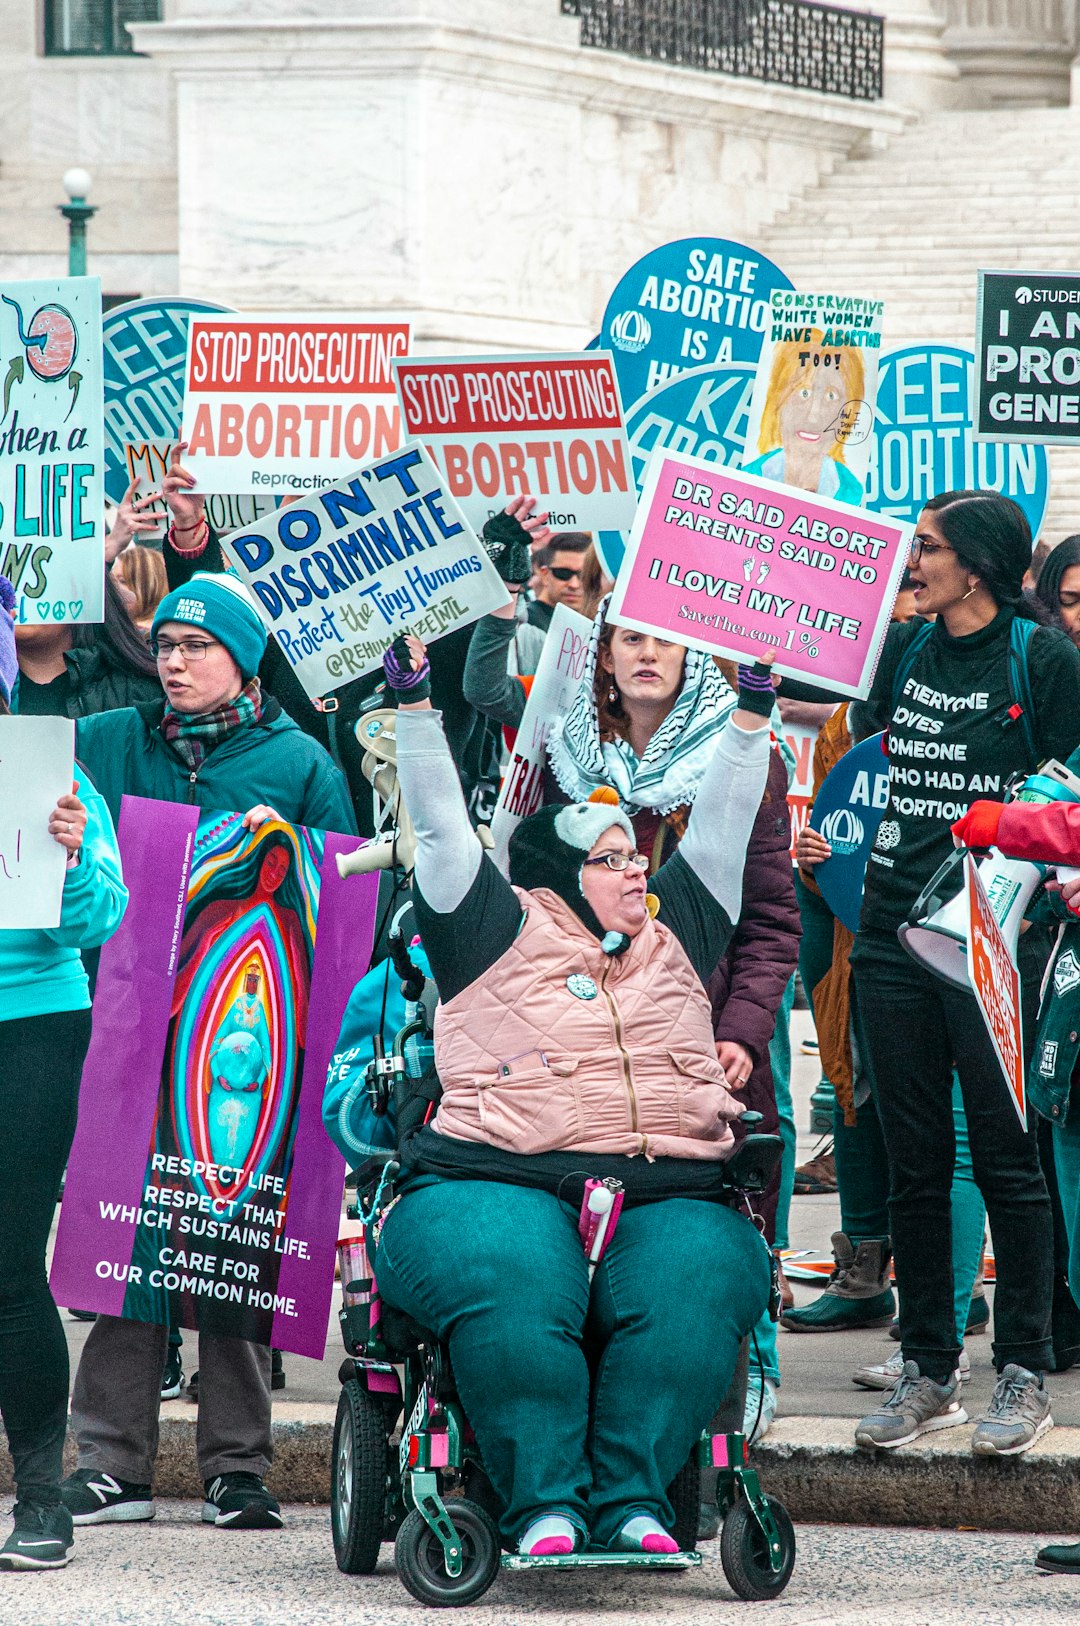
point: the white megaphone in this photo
(935, 933)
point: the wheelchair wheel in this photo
(684, 1494)
(419, 1557)
(744, 1554)
(358, 1480)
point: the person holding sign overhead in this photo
(44, 1033)
(948, 695)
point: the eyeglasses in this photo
(190, 649)
(919, 547)
(620, 861)
(562, 573)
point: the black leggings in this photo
(41, 1061)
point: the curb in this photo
(809, 1463)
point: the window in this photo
(94, 27)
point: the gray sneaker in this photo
(917, 1405)
(1017, 1416)
(884, 1374)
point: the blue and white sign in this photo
(696, 301)
(924, 444)
(145, 360)
(847, 812)
(700, 413)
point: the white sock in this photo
(631, 1537)
(544, 1529)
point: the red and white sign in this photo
(996, 981)
(502, 426)
(800, 740)
(284, 405)
(558, 673)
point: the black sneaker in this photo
(172, 1379)
(93, 1497)
(240, 1502)
(277, 1370)
(41, 1539)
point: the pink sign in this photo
(731, 563)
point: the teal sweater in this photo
(42, 972)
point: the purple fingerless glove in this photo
(756, 692)
(397, 664)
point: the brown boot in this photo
(817, 1177)
(787, 1292)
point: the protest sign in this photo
(52, 502)
(288, 404)
(698, 300)
(995, 980)
(800, 741)
(502, 426)
(813, 405)
(148, 461)
(145, 351)
(707, 540)
(389, 547)
(37, 761)
(847, 811)
(554, 684)
(923, 440)
(1027, 371)
(202, 1190)
(699, 413)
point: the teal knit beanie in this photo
(220, 605)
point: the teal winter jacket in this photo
(271, 761)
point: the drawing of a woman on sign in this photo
(815, 409)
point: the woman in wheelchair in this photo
(574, 1037)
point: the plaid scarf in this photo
(194, 737)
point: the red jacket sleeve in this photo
(1048, 835)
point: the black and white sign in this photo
(1027, 373)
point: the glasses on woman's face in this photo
(919, 548)
(620, 861)
(191, 649)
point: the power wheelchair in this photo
(426, 1490)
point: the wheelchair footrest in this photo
(601, 1559)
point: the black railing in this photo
(785, 42)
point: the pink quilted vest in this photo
(558, 1047)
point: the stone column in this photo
(1012, 53)
(918, 72)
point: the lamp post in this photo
(77, 183)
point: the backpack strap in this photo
(907, 661)
(1020, 636)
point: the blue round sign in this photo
(699, 301)
(847, 811)
(923, 441)
(701, 413)
(145, 363)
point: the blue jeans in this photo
(585, 1401)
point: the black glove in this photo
(506, 543)
(756, 692)
(397, 664)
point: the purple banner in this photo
(202, 1189)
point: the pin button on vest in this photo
(581, 987)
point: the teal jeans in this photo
(1067, 1164)
(764, 1354)
(584, 1401)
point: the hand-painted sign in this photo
(727, 562)
(502, 426)
(996, 982)
(202, 1190)
(288, 404)
(338, 576)
(52, 501)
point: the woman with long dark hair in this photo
(948, 695)
(44, 1032)
(1058, 587)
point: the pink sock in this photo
(550, 1536)
(642, 1534)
